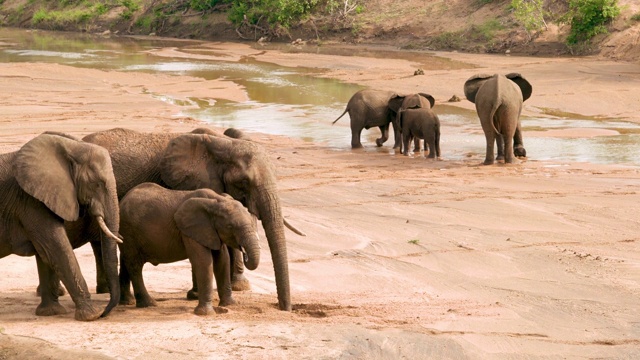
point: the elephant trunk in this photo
(109, 247)
(270, 213)
(251, 250)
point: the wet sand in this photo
(403, 258)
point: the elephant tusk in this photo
(292, 228)
(106, 230)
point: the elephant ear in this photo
(472, 85)
(432, 101)
(193, 220)
(522, 83)
(185, 164)
(42, 168)
(395, 102)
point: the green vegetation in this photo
(589, 17)
(270, 13)
(635, 17)
(414, 241)
(529, 13)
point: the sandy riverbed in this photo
(403, 258)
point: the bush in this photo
(272, 13)
(530, 14)
(589, 17)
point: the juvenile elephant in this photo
(44, 188)
(417, 121)
(202, 159)
(370, 108)
(163, 226)
(498, 100)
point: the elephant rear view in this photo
(498, 100)
(370, 108)
(164, 226)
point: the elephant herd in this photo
(498, 99)
(159, 197)
(164, 197)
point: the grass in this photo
(414, 241)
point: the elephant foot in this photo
(379, 142)
(227, 302)
(240, 283)
(127, 299)
(488, 162)
(520, 152)
(356, 146)
(192, 295)
(146, 302)
(50, 309)
(87, 313)
(204, 309)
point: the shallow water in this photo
(288, 101)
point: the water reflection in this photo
(287, 101)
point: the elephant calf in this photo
(417, 121)
(163, 225)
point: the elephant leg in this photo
(406, 140)
(437, 136)
(384, 131)
(126, 297)
(193, 293)
(221, 270)
(500, 145)
(518, 145)
(102, 285)
(489, 156)
(55, 253)
(143, 299)
(202, 267)
(57, 282)
(508, 149)
(416, 145)
(355, 136)
(48, 290)
(430, 139)
(397, 137)
(238, 281)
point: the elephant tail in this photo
(345, 111)
(494, 118)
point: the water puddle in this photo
(289, 101)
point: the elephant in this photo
(369, 108)
(45, 186)
(203, 159)
(498, 100)
(416, 121)
(198, 225)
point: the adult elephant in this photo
(198, 160)
(44, 187)
(498, 100)
(198, 225)
(417, 121)
(370, 108)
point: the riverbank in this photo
(403, 257)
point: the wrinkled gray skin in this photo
(498, 100)
(198, 160)
(198, 225)
(370, 108)
(44, 187)
(417, 121)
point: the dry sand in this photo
(403, 258)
